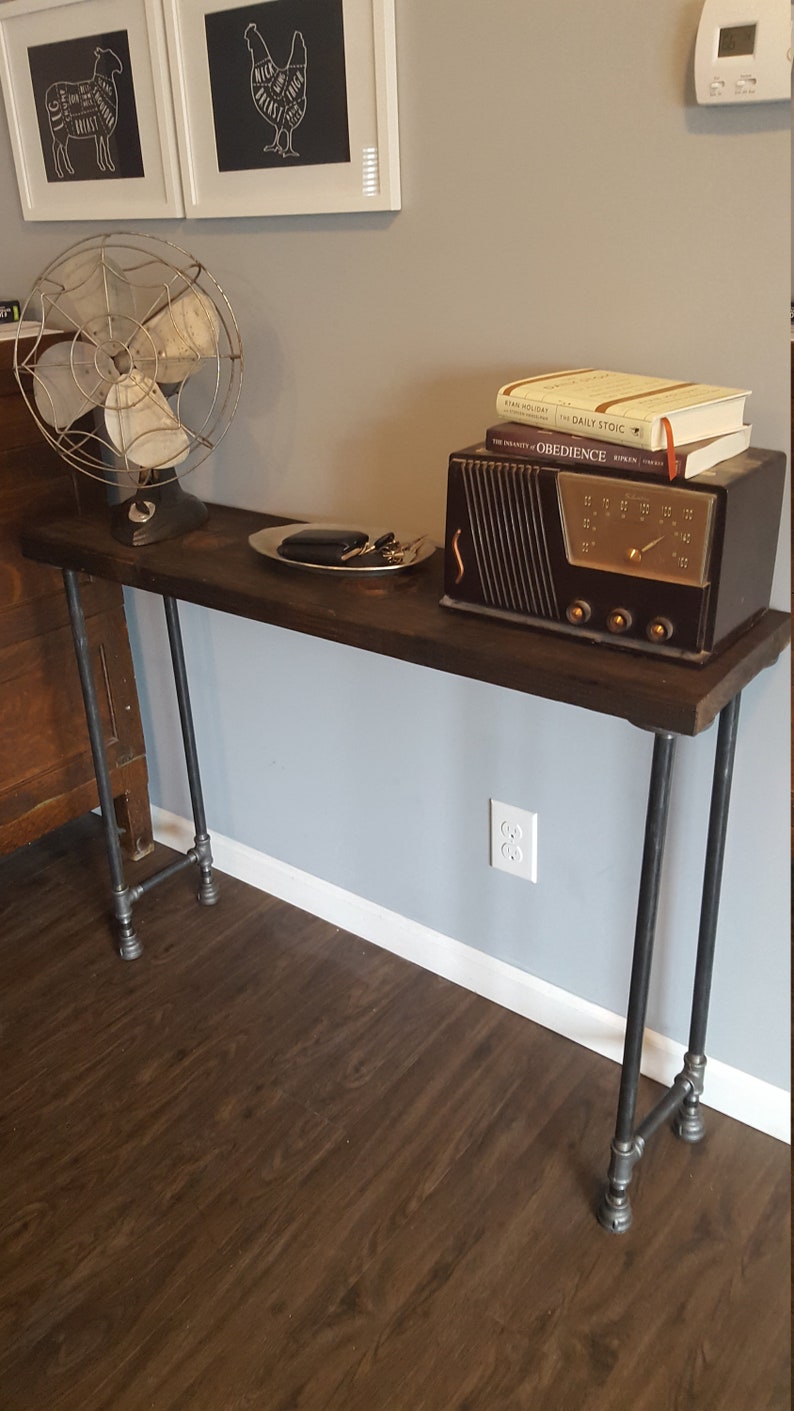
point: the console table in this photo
(399, 615)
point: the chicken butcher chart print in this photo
(279, 94)
(85, 106)
(278, 84)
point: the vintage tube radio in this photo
(669, 568)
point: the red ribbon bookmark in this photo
(668, 432)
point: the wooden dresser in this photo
(46, 770)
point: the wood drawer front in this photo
(51, 754)
(46, 768)
(32, 599)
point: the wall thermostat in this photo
(743, 51)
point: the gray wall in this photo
(564, 202)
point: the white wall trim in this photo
(728, 1090)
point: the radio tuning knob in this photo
(619, 620)
(659, 630)
(578, 612)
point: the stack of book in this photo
(601, 420)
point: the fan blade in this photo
(68, 380)
(142, 426)
(90, 293)
(172, 344)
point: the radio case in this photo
(518, 536)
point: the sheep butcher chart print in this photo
(278, 84)
(85, 105)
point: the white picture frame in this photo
(295, 182)
(87, 170)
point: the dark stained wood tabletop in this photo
(399, 615)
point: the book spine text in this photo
(578, 421)
(562, 450)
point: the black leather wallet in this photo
(324, 546)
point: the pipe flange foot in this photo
(689, 1126)
(130, 947)
(614, 1212)
(209, 892)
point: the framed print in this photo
(87, 93)
(285, 107)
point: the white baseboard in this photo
(728, 1090)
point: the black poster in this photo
(85, 104)
(279, 91)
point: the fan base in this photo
(155, 513)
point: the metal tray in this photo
(266, 542)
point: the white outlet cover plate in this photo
(514, 840)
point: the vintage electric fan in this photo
(133, 373)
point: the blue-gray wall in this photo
(564, 202)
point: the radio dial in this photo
(578, 612)
(619, 620)
(658, 531)
(659, 630)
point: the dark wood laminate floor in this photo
(269, 1167)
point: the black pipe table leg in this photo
(689, 1122)
(128, 942)
(615, 1209)
(208, 888)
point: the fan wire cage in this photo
(134, 369)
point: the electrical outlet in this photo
(514, 840)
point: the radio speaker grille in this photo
(503, 505)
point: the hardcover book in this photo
(560, 448)
(623, 407)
